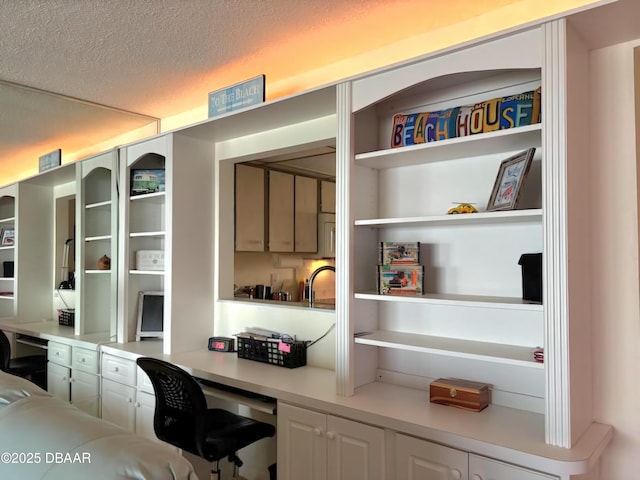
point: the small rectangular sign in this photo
(235, 97)
(50, 160)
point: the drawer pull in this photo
(82, 360)
(456, 474)
(317, 432)
(116, 369)
(453, 393)
(476, 477)
(331, 435)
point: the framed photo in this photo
(508, 185)
(7, 236)
(144, 181)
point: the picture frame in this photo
(508, 185)
(147, 180)
(7, 236)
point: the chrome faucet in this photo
(312, 278)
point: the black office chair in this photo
(183, 419)
(31, 367)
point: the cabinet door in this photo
(421, 460)
(85, 392)
(145, 409)
(327, 197)
(58, 381)
(118, 404)
(482, 468)
(250, 209)
(355, 450)
(302, 449)
(306, 214)
(280, 212)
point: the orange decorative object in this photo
(104, 263)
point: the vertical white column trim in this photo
(344, 238)
(554, 192)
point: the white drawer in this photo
(144, 382)
(119, 369)
(59, 353)
(85, 360)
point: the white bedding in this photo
(44, 438)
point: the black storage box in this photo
(7, 268)
(531, 276)
(268, 351)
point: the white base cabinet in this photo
(482, 468)
(316, 446)
(421, 460)
(72, 375)
(127, 396)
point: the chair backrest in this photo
(180, 404)
(5, 352)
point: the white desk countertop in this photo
(508, 434)
(511, 435)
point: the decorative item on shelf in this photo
(8, 269)
(104, 263)
(491, 115)
(462, 208)
(241, 95)
(538, 355)
(455, 392)
(49, 160)
(407, 253)
(508, 184)
(145, 181)
(531, 264)
(400, 279)
(152, 260)
(7, 237)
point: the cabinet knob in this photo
(476, 477)
(82, 360)
(137, 404)
(130, 400)
(456, 474)
(317, 432)
(57, 354)
(331, 435)
(115, 369)
(72, 380)
(64, 378)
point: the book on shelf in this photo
(399, 253)
(399, 279)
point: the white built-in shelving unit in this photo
(7, 252)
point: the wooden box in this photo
(459, 393)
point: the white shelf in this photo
(506, 303)
(8, 220)
(97, 272)
(152, 197)
(492, 352)
(480, 218)
(146, 234)
(7, 279)
(106, 203)
(146, 272)
(6, 297)
(499, 141)
(8, 247)
(97, 238)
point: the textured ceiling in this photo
(161, 57)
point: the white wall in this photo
(614, 235)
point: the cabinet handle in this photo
(71, 380)
(115, 369)
(456, 474)
(57, 354)
(331, 435)
(137, 404)
(476, 477)
(130, 400)
(64, 378)
(82, 360)
(317, 432)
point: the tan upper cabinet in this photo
(327, 197)
(281, 211)
(306, 214)
(250, 209)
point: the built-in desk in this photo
(51, 330)
(498, 432)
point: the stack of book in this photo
(399, 269)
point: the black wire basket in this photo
(66, 317)
(271, 351)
